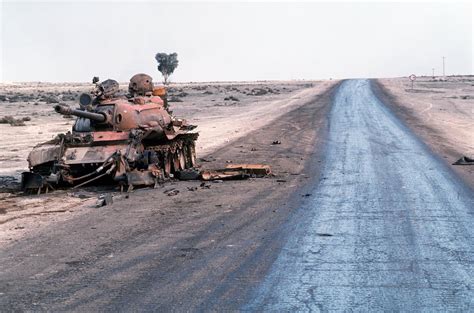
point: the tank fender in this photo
(43, 154)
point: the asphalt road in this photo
(388, 228)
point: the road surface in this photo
(360, 217)
(388, 228)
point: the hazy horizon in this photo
(74, 41)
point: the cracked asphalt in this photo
(388, 227)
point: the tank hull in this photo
(116, 156)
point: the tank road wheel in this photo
(192, 155)
(176, 161)
(187, 159)
(182, 159)
(167, 164)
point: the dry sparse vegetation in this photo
(14, 121)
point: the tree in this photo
(167, 63)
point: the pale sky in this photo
(74, 41)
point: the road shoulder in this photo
(438, 144)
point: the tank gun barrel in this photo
(65, 110)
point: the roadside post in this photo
(412, 78)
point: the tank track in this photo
(170, 157)
(176, 155)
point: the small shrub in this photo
(174, 99)
(13, 121)
(231, 98)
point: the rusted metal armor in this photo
(128, 139)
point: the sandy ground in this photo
(440, 111)
(219, 122)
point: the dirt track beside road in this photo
(440, 112)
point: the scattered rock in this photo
(172, 193)
(103, 200)
(231, 98)
(205, 186)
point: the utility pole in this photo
(433, 72)
(444, 74)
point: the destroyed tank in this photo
(130, 139)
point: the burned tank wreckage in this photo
(131, 139)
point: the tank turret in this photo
(141, 85)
